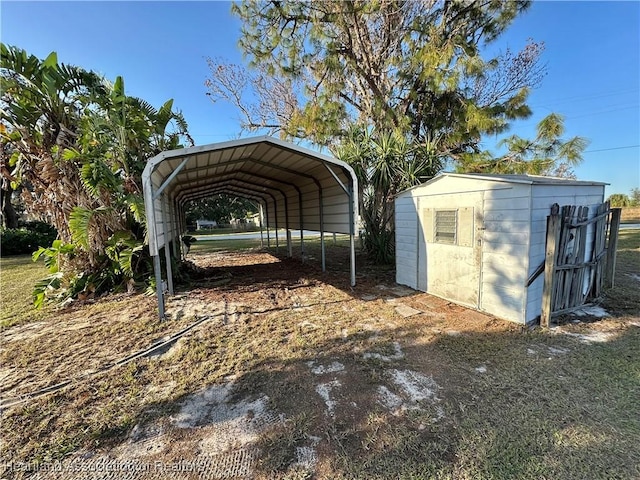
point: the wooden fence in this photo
(580, 257)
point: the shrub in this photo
(18, 241)
(125, 264)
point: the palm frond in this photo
(79, 225)
(143, 106)
(136, 207)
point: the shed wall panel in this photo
(406, 226)
(507, 226)
(504, 303)
(505, 248)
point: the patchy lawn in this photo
(17, 276)
(290, 373)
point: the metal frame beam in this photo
(170, 178)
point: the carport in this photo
(296, 188)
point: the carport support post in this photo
(176, 241)
(352, 233)
(286, 226)
(260, 220)
(322, 252)
(301, 217)
(167, 248)
(275, 207)
(266, 206)
(157, 269)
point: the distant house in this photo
(206, 224)
(242, 223)
(475, 239)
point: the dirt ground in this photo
(265, 368)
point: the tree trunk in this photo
(9, 215)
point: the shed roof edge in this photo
(521, 179)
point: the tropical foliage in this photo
(546, 154)
(385, 164)
(624, 200)
(75, 146)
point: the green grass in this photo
(312, 244)
(17, 277)
(222, 231)
(624, 298)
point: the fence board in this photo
(570, 279)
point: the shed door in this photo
(450, 246)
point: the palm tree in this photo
(41, 109)
(385, 163)
(79, 145)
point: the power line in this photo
(582, 115)
(585, 97)
(612, 148)
(603, 111)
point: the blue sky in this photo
(592, 50)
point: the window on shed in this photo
(446, 226)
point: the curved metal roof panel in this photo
(300, 188)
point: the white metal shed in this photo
(475, 239)
(296, 188)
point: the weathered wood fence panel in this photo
(580, 254)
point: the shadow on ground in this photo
(297, 375)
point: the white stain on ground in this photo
(558, 350)
(223, 433)
(324, 390)
(333, 367)
(592, 337)
(397, 354)
(634, 276)
(146, 440)
(192, 306)
(413, 391)
(481, 369)
(308, 324)
(232, 425)
(591, 311)
(306, 456)
(416, 386)
(388, 399)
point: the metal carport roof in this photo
(296, 188)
